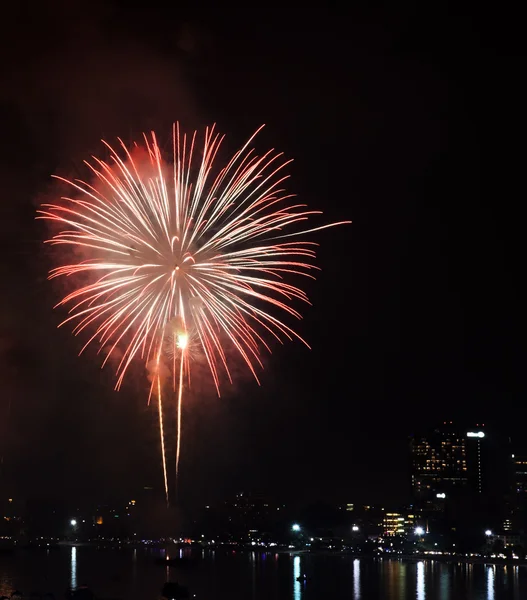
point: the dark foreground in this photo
(221, 575)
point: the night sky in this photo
(417, 315)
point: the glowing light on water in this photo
(490, 583)
(253, 574)
(421, 581)
(73, 569)
(444, 584)
(297, 586)
(356, 579)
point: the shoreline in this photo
(292, 552)
(417, 557)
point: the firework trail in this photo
(183, 256)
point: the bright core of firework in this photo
(183, 247)
(182, 341)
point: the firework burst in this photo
(183, 257)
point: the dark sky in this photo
(417, 315)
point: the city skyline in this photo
(468, 499)
(428, 475)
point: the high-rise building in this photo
(439, 465)
(462, 470)
(249, 511)
(395, 523)
(478, 449)
(520, 478)
(491, 469)
(519, 491)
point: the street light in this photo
(355, 528)
(73, 522)
(419, 531)
(488, 532)
(296, 527)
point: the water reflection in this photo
(444, 582)
(490, 583)
(111, 574)
(356, 579)
(402, 579)
(421, 581)
(73, 570)
(297, 586)
(253, 573)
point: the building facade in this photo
(439, 466)
(400, 524)
(464, 475)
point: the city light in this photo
(476, 434)
(397, 534)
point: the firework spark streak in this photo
(180, 251)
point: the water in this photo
(221, 575)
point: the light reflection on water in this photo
(297, 586)
(490, 582)
(73, 568)
(444, 582)
(356, 579)
(421, 581)
(253, 574)
(134, 575)
(401, 577)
